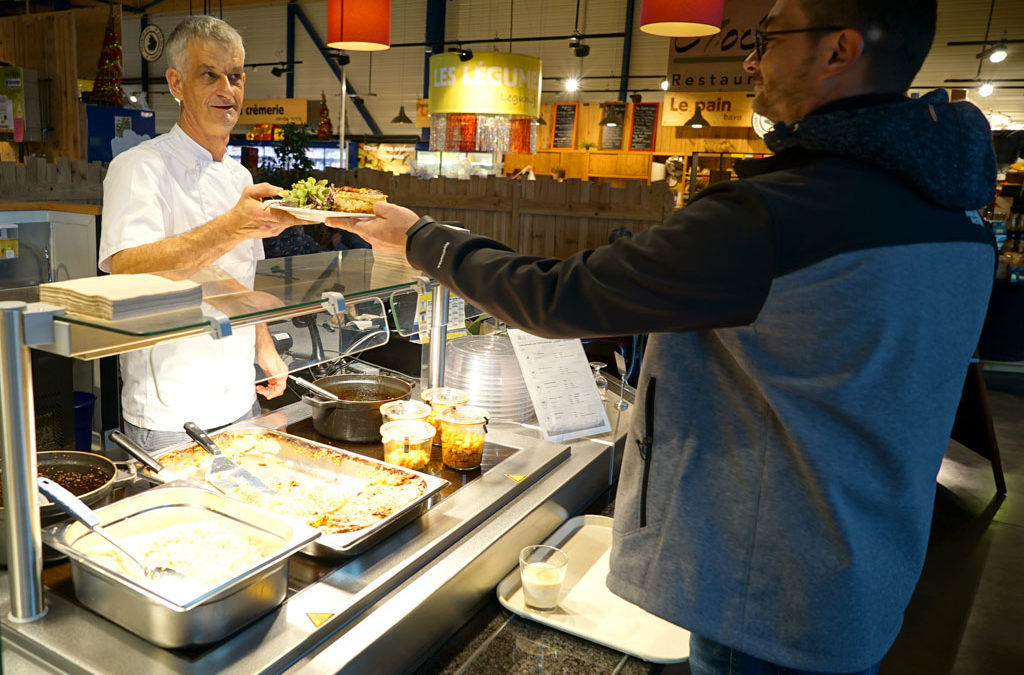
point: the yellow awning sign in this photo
(517, 477)
(490, 83)
(319, 618)
(273, 111)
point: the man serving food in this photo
(178, 201)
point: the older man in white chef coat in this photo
(178, 201)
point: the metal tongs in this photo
(135, 450)
(319, 391)
(223, 473)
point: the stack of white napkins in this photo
(122, 296)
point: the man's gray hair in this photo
(204, 28)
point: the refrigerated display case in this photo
(323, 154)
(435, 164)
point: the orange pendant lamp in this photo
(681, 18)
(359, 25)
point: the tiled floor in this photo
(967, 614)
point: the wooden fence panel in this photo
(66, 180)
(541, 217)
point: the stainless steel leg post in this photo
(18, 444)
(438, 334)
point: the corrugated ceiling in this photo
(396, 75)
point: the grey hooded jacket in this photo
(811, 325)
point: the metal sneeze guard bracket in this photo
(218, 321)
(37, 323)
(333, 302)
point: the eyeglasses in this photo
(761, 37)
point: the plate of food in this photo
(315, 201)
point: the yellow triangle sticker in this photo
(517, 477)
(319, 618)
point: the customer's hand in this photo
(255, 219)
(386, 232)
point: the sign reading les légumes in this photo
(715, 63)
(494, 83)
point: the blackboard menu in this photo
(645, 126)
(564, 134)
(611, 137)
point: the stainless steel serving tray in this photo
(142, 607)
(305, 458)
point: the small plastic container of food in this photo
(441, 399)
(404, 410)
(463, 431)
(408, 443)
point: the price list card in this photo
(561, 386)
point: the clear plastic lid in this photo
(405, 410)
(465, 415)
(413, 431)
(440, 396)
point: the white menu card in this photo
(561, 386)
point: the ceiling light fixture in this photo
(664, 84)
(697, 121)
(986, 89)
(689, 18)
(635, 97)
(359, 25)
(465, 54)
(572, 84)
(401, 117)
(997, 53)
(278, 71)
(609, 119)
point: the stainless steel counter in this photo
(383, 611)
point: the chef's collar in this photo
(191, 145)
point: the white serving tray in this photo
(587, 609)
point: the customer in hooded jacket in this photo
(179, 201)
(810, 328)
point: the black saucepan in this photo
(90, 477)
(356, 417)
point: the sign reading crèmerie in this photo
(491, 83)
(273, 111)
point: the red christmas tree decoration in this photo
(106, 89)
(325, 129)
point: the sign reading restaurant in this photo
(274, 111)
(715, 63)
(491, 83)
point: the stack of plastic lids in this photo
(487, 368)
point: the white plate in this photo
(586, 607)
(315, 215)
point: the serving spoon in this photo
(76, 508)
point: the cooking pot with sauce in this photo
(90, 477)
(356, 418)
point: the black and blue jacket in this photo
(811, 325)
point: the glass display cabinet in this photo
(414, 588)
